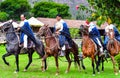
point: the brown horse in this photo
(113, 47)
(52, 48)
(89, 48)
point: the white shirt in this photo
(22, 23)
(92, 25)
(59, 25)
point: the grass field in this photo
(34, 71)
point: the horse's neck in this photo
(111, 35)
(49, 38)
(48, 33)
(11, 35)
(86, 39)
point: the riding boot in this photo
(67, 45)
(101, 52)
(62, 53)
(24, 50)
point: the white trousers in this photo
(101, 48)
(25, 41)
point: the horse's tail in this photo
(40, 48)
(76, 52)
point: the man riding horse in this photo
(26, 33)
(117, 35)
(62, 30)
(95, 36)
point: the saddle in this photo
(29, 45)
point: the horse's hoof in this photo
(25, 70)
(7, 64)
(43, 70)
(93, 75)
(56, 74)
(98, 72)
(116, 74)
(119, 71)
(15, 72)
(66, 71)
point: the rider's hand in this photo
(18, 29)
(57, 32)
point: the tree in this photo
(105, 10)
(3, 16)
(14, 7)
(50, 9)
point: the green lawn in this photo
(34, 71)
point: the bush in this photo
(3, 16)
(50, 9)
(15, 7)
(74, 32)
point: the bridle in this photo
(8, 32)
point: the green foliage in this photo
(104, 10)
(14, 7)
(3, 16)
(74, 32)
(83, 12)
(50, 9)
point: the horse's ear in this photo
(11, 21)
(46, 25)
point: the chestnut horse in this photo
(113, 48)
(52, 48)
(89, 49)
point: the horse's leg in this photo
(119, 67)
(76, 59)
(44, 64)
(102, 63)
(97, 63)
(17, 62)
(57, 65)
(82, 64)
(30, 53)
(113, 61)
(5, 55)
(69, 61)
(93, 65)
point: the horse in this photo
(89, 49)
(52, 48)
(113, 47)
(13, 48)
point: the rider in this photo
(117, 35)
(95, 36)
(61, 28)
(26, 33)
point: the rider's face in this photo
(22, 17)
(58, 18)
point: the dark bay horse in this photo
(89, 48)
(12, 47)
(113, 48)
(52, 48)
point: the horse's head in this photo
(111, 33)
(84, 30)
(43, 30)
(7, 25)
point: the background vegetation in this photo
(14, 8)
(104, 10)
(50, 9)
